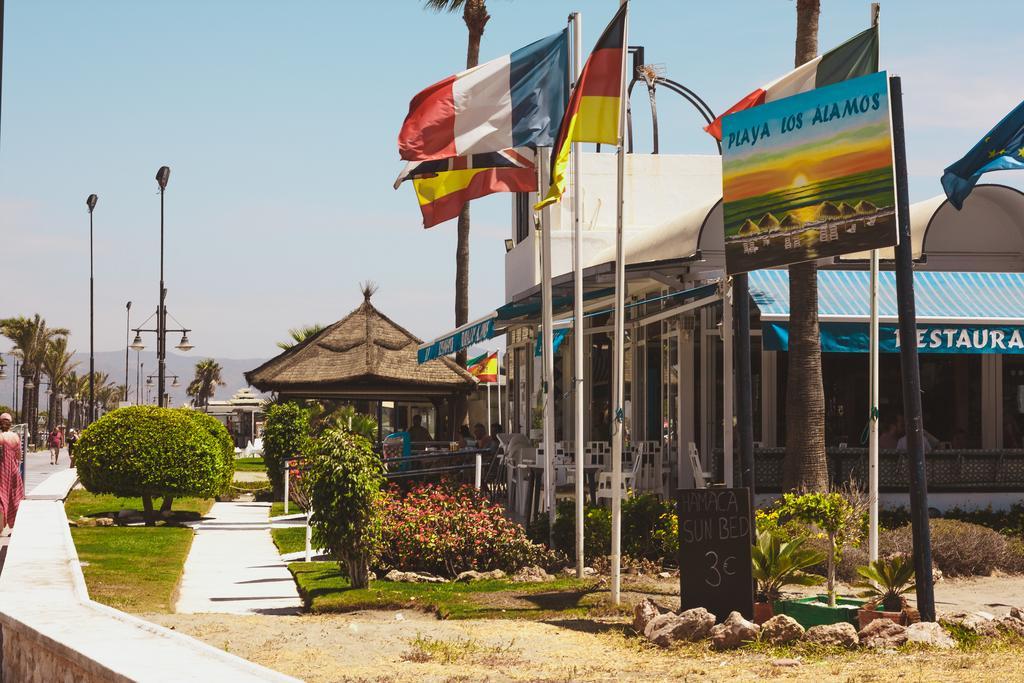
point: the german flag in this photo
(594, 109)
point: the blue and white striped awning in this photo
(940, 297)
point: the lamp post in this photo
(163, 174)
(183, 345)
(127, 334)
(174, 384)
(91, 203)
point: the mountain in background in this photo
(183, 365)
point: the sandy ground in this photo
(412, 646)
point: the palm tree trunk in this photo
(805, 466)
(474, 13)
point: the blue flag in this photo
(1000, 150)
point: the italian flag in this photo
(856, 57)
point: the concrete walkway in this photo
(234, 566)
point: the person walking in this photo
(72, 440)
(55, 442)
(12, 488)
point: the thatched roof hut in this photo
(749, 227)
(791, 221)
(363, 356)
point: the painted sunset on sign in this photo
(809, 176)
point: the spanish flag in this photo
(484, 368)
(594, 109)
(444, 186)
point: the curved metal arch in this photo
(686, 93)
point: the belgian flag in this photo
(594, 109)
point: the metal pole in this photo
(618, 386)
(138, 377)
(909, 365)
(498, 389)
(744, 380)
(577, 300)
(92, 357)
(287, 477)
(478, 467)
(727, 385)
(127, 344)
(873, 391)
(309, 537)
(488, 407)
(547, 349)
(161, 323)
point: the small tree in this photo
(149, 451)
(344, 480)
(836, 517)
(285, 436)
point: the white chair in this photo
(604, 482)
(701, 479)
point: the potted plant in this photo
(885, 582)
(836, 519)
(778, 563)
(537, 424)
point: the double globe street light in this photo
(161, 330)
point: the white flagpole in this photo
(547, 353)
(873, 415)
(728, 381)
(489, 423)
(577, 303)
(498, 389)
(873, 392)
(618, 399)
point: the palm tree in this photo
(805, 466)
(474, 14)
(206, 381)
(31, 337)
(300, 334)
(57, 365)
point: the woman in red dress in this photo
(12, 488)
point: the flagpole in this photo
(618, 420)
(489, 422)
(873, 391)
(497, 380)
(577, 303)
(547, 351)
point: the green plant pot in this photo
(814, 610)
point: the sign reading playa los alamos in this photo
(809, 176)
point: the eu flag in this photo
(1000, 150)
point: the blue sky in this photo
(279, 122)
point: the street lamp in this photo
(127, 333)
(91, 203)
(163, 174)
(3, 367)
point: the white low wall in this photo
(52, 631)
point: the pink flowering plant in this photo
(449, 528)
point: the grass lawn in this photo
(135, 568)
(324, 590)
(277, 509)
(289, 540)
(81, 503)
(250, 465)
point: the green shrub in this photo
(215, 429)
(285, 436)
(149, 451)
(958, 548)
(345, 478)
(597, 530)
(1010, 522)
(447, 529)
(1013, 557)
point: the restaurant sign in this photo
(809, 176)
(852, 337)
(462, 338)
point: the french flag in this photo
(513, 101)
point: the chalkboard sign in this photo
(715, 533)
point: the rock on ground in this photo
(692, 625)
(733, 632)
(931, 634)
(413, 577)
(781, 629)
(883, 633)
(643, 613)
(842, 634)
(532, 574)
(473, 575)
(980, 623)
(1011, 625)
(1016, 613)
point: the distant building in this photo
(242, 414)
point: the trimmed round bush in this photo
(215, 429)
(149, 451)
